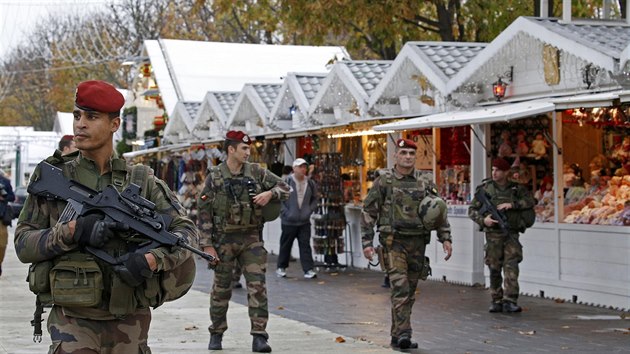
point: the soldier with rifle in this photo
(502, 209)
(106, 241)
(237, 199)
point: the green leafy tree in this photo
(39, 77)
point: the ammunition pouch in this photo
(39, 277)
(425, 271)
(121, 300)
(39, 281)
(76, 280)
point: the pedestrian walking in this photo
(405, 209)
(6, 214)
(231, 217)
(502, 209)
(296, 220)
(99, 307)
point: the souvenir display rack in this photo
(329, 218)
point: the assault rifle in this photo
(128, 208)
(487, 207)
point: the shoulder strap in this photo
(140, 177)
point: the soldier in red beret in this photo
(503, 250)
(501, 164)
(67, 145)
(116, 315)
(236, 201)
(394, 205)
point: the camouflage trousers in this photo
(249, 252)
(503, 253)
(404, 259)
(83, 336)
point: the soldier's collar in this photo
(399, 175)
(113, 162)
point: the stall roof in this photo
(504, 112)
(186, 70)
(604, 44)
(174, 147)
(604, 99)
(64, 123)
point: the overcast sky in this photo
(19, 17)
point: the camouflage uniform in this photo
(39, 237)
(503, 250)
(230, 222)
(392, 204)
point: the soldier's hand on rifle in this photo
(135, 269)
(489, 221)
(504, 206)
(91, 230)
(213, 252)
(368, 252)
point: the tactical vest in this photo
(401, 205)
(520, 219)
(78, 279)
(233, 208)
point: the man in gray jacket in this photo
(296, 220)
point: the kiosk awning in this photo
(504, 112)
(605, 99)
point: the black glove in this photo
(135, 270)
(92, 230)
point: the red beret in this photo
(406, 144)
(501, 164)
(237, 135)
(98, 96)
(67, 137)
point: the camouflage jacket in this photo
(39, 237)
(379, 211)
(516, 194)
(225, 204)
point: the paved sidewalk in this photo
(179, 326)
(309, 315)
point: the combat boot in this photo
(511, 307)
(215, 341)
(394, 344)
(260, 345)
(404, 342)
(496, 307)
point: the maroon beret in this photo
(98, 96)
(67, 137)
(237, 135)
(406, 144)
(501, 164)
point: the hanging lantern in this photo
(498, 89)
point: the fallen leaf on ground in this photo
(527, 333)
(566, 327)
(190, 328)
(321, 282)
(559, 301)
(340, 340)
(280, 307)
